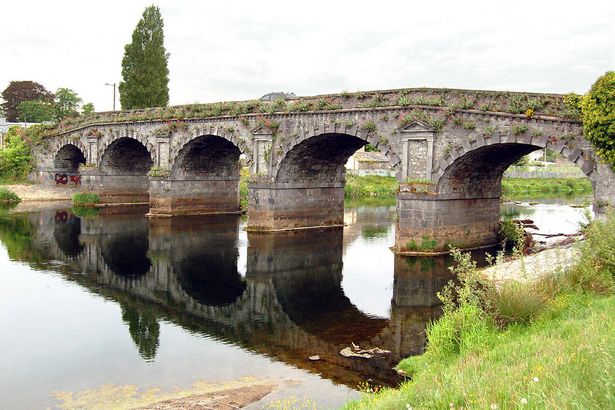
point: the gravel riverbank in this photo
(41, 193)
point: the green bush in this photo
(15, 158)
(598, 108)
(511, 234)
(8, 197)
(85, 198)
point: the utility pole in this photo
(112, 85)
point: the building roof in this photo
(278, 96)
(363, 156)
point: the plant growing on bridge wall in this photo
(144, 67)
(572, 104)
(159, 172)
(519, 129)
(369, 127)
(598, 108)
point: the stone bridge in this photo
(449, 148)
(186, 270)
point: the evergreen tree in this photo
(144, 66)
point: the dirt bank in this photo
(233, 394)
(40, 193)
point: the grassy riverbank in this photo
(548, 344)
(530, 186)
(370, 186)
(386, 187)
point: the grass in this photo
(8, 197)
(547, 344)
(370, 186)
(243, 188)
(373, 186)
(516, 186)
(85, 198)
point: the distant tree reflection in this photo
(144, 330)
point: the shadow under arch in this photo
(68, 159)
(204, 257)
(66, 231)
(204, 179)
(126, 156)
(124, 246)
(207, 157)
(321, 158)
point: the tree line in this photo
(29, 101)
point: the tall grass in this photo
(516, 186)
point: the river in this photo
(116, 298)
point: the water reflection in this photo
(143, 328)
(289, 305)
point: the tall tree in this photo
(144, 67)
(20, 91)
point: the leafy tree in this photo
(598, 108)
(87, 108)
(144, 67)
(35, 111)
(66, 103)
(20, 91)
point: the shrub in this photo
(8, 197)
(85, 198)
(511, 234)
(598, 108)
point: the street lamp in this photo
(112, 85)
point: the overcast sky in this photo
(243, 49)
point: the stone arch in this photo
(73, 140)
(207, 157)
(199, 132)
(69, 157)
(322, 155)
(126, 156)
(476, 169)
(111, 137)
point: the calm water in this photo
(116, 298)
